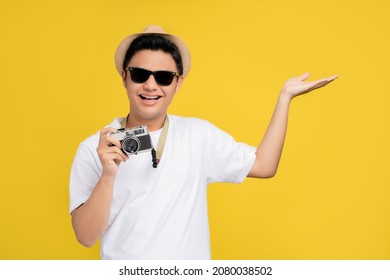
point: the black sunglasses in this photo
(162, 77)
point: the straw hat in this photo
(153, 29)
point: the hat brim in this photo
(124, 46)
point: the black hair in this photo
(154, 42)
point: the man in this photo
(141, 212)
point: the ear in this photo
(180, 81)
(124, 79)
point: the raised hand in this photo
(298, 85)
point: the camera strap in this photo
(163, 138)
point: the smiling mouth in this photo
(144, 97)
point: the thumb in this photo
(304, 76)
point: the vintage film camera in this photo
(134, 140)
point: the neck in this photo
(152, 124)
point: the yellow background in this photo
(330, 198)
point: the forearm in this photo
(90, 220)
(270, 149)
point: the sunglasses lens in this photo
(139, 75)
(164, 78)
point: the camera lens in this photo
(130, 145)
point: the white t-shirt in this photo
(161, 213)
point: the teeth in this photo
(150, 97)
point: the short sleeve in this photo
(85, 173)
(226, 159)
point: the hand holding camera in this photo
(115, 145)
(110, 152)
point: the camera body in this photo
(134, 140)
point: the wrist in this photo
(284, 97)
(108, 177)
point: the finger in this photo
(304, 76)
(329, 79)
(113, 141)
(119, 152)
(104, 134)
(111, 159)
(323, 82)
(319, 84)
(107, 130)
(107, 150)
(118, 157)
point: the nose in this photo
(150, 84)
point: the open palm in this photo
(298, 85)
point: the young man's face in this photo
(149, 101)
